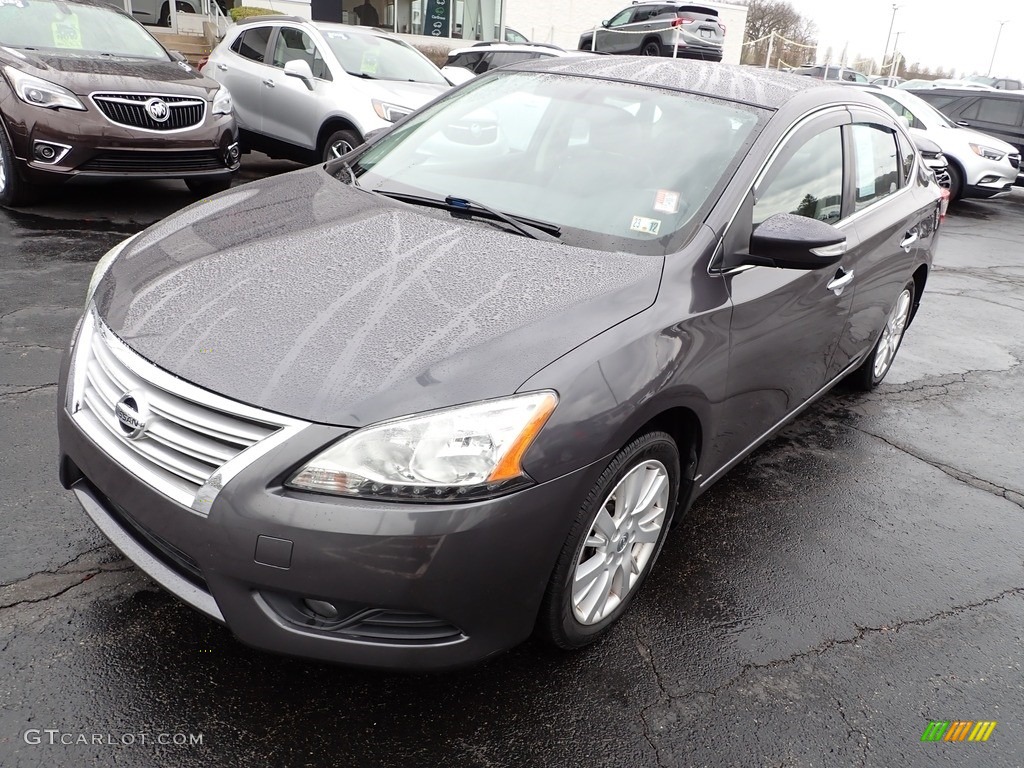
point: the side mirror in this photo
(300, 69)
(788, 241)
(177, 55)
(604, 23)
(904, 121)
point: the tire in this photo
(165, 12)
(650, 48)
(956, 182)
(334, 146)
(571, 618)
(206, 187)
(587, 46)
(14, 191)
(871, 372)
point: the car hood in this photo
(955, 141)
(309, 298)
(401, 94)
(83, 75)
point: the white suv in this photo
(311, 91)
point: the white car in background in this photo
(466, 63)
(980, 165)
(311, 91)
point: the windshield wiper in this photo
(538, 230)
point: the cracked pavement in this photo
(856, 577)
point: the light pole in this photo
(889, 36)
(895, 48)
(996, 47)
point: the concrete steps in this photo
(192, 47)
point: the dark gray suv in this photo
(453, 388)
(660, 29)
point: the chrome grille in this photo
(129, 110)
(193, 441)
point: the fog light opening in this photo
(49, 152)
(988, 179)
(232, 153)
(321, 608)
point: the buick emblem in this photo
(158, 110)
(132, 412)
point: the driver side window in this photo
(810, 183)
(621, 18)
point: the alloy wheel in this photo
(621, 542)
(892, 333)
(3, 172)
(339, 148)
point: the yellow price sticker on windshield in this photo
(66, 33)
(368, 66)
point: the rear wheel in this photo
(340, 143)
(165, 12)
(14, 190)
(651, 48)
(873, 370)
(613, 543)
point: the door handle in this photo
(964, 123)
(222, 67)
(840, 281)
(909, 240)
(269, 83)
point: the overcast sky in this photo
(946, 33)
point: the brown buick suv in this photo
(86, 91)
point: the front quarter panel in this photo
(672, 355)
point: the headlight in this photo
(390, 112)
(462, 453)
(222, 104)
(103, 265)
(987, 152)
(42, 93)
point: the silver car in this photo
(660, 29)
(311, 91)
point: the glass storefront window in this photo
(465, 19)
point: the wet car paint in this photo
(848, 582)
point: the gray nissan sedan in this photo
(452, 389)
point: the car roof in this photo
(323, 26)
(967, 93)
(766, 88)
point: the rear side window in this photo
(465, 60)
(252, 43)
(809, 184)
(1001, 111)
(503, 58)
(877, 164)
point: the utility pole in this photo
(889, 36)
(996, 47)
(895, 52)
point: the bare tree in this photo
(767, 16)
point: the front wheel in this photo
(340, 143)
(613, 543)
(878, 363)
(956, 183)
(14, 190)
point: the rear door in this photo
(998, 115)
(242, 70)
(893, 219)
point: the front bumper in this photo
(989, 178)
(88, 145)
(416, 587)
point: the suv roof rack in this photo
(271, 17)
(503, 42)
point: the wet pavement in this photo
(856, 577)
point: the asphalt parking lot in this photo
(857, 577)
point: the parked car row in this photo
(86, 91)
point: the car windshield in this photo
(381, 58)
(613, 166)
(73, 29)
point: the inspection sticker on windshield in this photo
(368, 66)
(645, 225)
(666, 201)
(66, 33)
